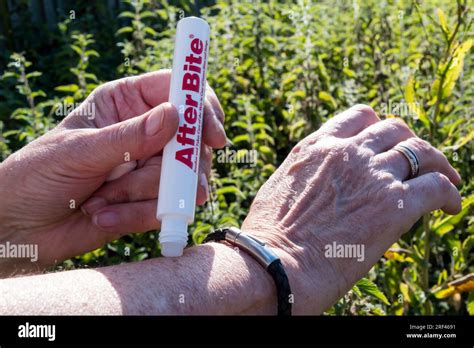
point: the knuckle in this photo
(396, 123)
(121, 138)
(442, 181)
(397, 188)
(440, 155)
(421, 145)
(340, 150)
(365, 110)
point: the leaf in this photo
(463, 284)
(67, 88)
(92, 53)
(150, 31)
(349, 72)
(464, 140)
(271, 41)
(357, 291)
(162, 13)
(124, 30)
(240, 138)
(38, 93)
(240, 124)
(288, 80)
(33, 74)
(405, 290)
(467, 245)
(146, 14)
(76, 49)
(442, 21)
(444, 293)
(470, 304)
(265, 150)
(369, 288)
(413, 105)
(200, 232)
(456, 67)
(127, 14)
(397, 254)
(327, 98)
(230, 190)
(443, 226)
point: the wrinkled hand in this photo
(45, 184)
(345, 184)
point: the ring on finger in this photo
(412, 158)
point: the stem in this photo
(29, 97)
(426, 259)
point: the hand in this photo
(345, 184)
(44, 185)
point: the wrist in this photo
(245, 286)
(315, 283)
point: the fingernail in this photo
(93, 204)
(458, 176)
(154, 123)
(106, 219)
(204, 185)
(222, 130)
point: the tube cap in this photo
(173, 235)
(172, 249)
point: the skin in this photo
(344, 183)
(73, 161)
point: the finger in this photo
(153, 88)
(205, 164)
(127, 218)
(140, 185)
(133, 139)
(382, 136)
(350, 122)
(133, 95)
(432, 191)
(213, 130)
(430, 160)
(121, 170)
(212, 97)
(156, 93)
(147, 90)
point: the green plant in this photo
(280, 69)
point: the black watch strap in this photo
(282, 285)
(265, 257)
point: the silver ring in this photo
(410, 155)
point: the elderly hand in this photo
(346, 185)
(45, 184)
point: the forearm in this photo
(207, 279)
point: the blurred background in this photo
(280, 69)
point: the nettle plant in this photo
(139, 45)
(281, 69)
(440, 111)
(85, 81)
(36, 117)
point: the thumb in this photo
(136, 138)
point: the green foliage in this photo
(281, 69)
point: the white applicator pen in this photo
(179, 169)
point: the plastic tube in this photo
(179, 169)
